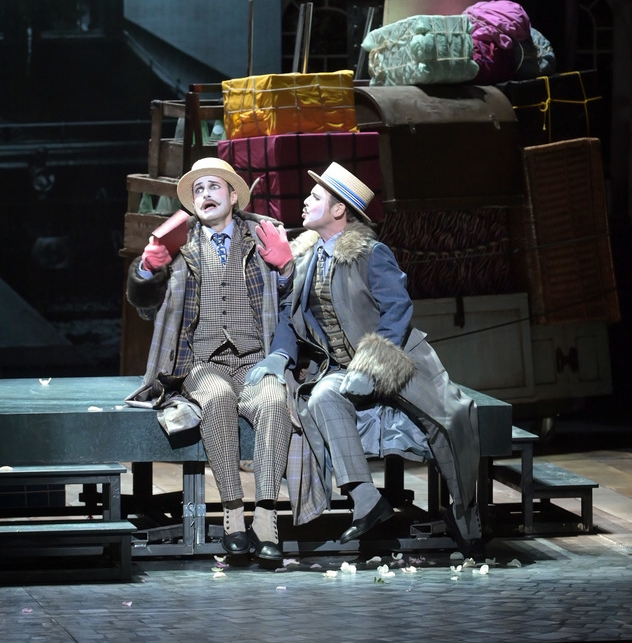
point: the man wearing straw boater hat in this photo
(214, 306)
(347, 328)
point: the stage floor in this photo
(541, 587)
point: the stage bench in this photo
(82, 539)
(85, 541)
(75, 422)
(543, 481)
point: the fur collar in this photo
(351, 245)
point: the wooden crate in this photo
(138, 226)
(135, 332)
(560, 239)
(139, 185)
(173, 156)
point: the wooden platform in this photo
(74, 421)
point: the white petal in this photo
(514, 563)
(330, 573)
(290, 561)
(484, 569)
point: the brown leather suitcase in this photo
(444, 146)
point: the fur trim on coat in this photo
(146, 293)
(352, 243)
(388, 365)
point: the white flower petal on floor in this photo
(348, 568)
(385, 571)
(290, 561)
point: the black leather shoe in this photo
(236, 543)
(381, 512)
(264, 549)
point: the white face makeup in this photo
(320, 216)
(214, 201)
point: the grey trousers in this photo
(335, 418)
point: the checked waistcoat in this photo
(226, 316)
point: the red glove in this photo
(155, 255)
(275, 249)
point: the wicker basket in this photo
(561, 242)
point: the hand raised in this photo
(274, 246)
(155, 255)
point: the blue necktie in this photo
(218, 240)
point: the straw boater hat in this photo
(347, 187)
(211, 167)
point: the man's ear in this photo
(234, 197)
(340, 210)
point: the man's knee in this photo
(327, 391)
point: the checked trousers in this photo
(217, 386)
